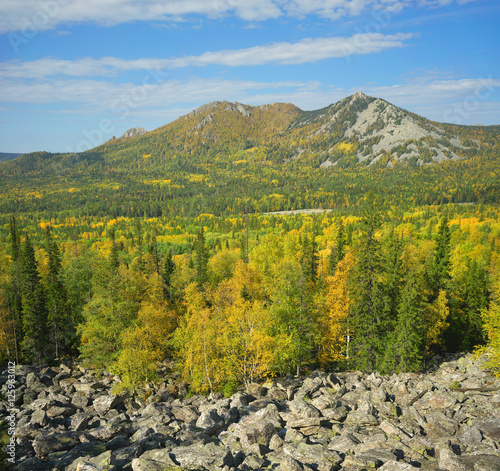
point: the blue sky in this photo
(73, 73)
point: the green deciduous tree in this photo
(491, 319)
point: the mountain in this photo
(223, 157)
(356, 131)
(377, 129)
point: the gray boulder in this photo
(103, 404)
(259, 432)
(210, 456)
(45, 443)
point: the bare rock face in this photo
(133, 132)
(326, 422)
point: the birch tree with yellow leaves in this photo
(336, 331)
(146, 344)
(491, 319)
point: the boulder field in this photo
(68, 418)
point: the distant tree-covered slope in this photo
(4, 156)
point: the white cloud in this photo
(440, 91)
(305, 51)
(31, 16)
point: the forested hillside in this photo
(159, 245)
(242, 298)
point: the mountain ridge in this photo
(358, 130)
(225, 158)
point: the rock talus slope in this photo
(448, 420)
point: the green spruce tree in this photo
(60, 322)
(201, 259)
(309, 259)
(168, 271)
(439, 272)
(36, 342)
(369, 309)
(405, 347)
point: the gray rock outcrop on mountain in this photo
(325, 422)
(133, 132)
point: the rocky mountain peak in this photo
(359, 96)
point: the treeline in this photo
(366, 292)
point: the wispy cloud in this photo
(99, 96)
(17, 15)
(428, 97)
(306, 51)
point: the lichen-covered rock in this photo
(259, 432)
(52, 442)
(210, 456)
(313, 454)
(103, 404)
(210, 421)
(185, 414)
(143, 464)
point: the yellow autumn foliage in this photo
(146, 344)
(335, 331)
(435, 324)
(491, 319)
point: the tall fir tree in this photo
(369, 309)
(439, 271)
(309, 259)
(405, 346)
(393, 277)
(244, 242)
(168, 271)
(154, 249)
(60, 322)
(201, 259)
(14, 289)
(36, 342)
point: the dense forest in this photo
(167, 245)
(244, 298)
